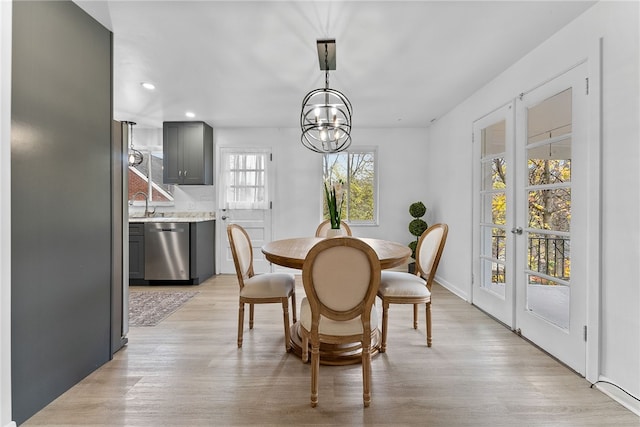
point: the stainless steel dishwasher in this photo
(166, 251)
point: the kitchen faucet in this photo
(146, 203)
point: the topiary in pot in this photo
(416, 227)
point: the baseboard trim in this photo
(11, 424)
(618, 395)
(451, 288)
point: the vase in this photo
(334, 232)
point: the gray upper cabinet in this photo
(188, 153)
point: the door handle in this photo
(516, 230)
(224, 217)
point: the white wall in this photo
(5, 213)
(298, 182)
(618, 358)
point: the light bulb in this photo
(323, 135)
(132, 158)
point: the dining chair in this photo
(397, 287)
(259, 288)
(340, 277)
(325, 225)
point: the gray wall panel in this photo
(61, 203)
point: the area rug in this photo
(148, 308)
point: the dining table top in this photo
(292, 252)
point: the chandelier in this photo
(325, 119)
(135, 157)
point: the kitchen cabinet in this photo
(187, 153)
(136, 251)
(193, 250)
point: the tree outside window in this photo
(357, 170)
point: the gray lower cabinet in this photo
(187, 153)
(136, 250)
(202, 244)
(193, 250)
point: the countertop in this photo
(176, 217)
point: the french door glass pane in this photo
(494, 243)
(549, 300)
(493, 139)
(494, 174)
(494, 208)
(550, 255)
(551, 118)
(545, 171)
(549, 141)
(550, 209)
(493, 276)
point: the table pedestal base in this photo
(335, 354)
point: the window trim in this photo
(363, 149)
(147, 154)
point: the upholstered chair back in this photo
(242, 252)
(429, 250)
(341, 278)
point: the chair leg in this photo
(305, 345)
(251, 316)
(385, 321)
(240, 323)
(428, 316)
(415, 316)
(366, 372)
(287, 326)
(315, 369)
(293, 306)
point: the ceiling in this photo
(250, 63)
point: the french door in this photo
(493, 139)
(531, 217)
(244, 200)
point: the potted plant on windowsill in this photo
(417, 226)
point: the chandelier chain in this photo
(326, 66)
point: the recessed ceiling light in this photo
(148, 86)
(190, 114)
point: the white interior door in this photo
(244, 200)
(551, 216)
(493, 148)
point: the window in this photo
(147, 177)
(244, 179)
(357, 171)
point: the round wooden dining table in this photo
(292, 253)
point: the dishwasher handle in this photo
(166, 229)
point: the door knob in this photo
(224, 217)
(516, 230)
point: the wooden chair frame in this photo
(415, 300)
(245, 272)
(318, 308)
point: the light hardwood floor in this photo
(188, 371)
